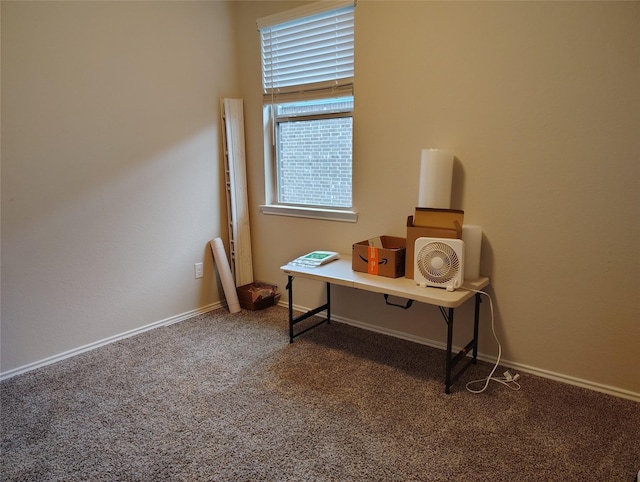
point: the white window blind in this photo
(308, 53)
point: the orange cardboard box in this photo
(382, 256)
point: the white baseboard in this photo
(598, 387)
(92, 346)
(614, 391)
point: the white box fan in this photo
(439, 262)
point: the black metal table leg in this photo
(290, 290)
(447, 377)
(452, 360)
(476, 323)
(294, 320)
(328, 302)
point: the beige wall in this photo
(111, 168)
(541, 104)
(112, 181)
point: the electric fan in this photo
(439, 262)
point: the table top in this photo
(340, 272)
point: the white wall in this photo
(111, 170)
(540, 102)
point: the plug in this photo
(516, 376)
(508, 376)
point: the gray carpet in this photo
(226, 397)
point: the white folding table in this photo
(339, 272)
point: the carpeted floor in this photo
(226, 398)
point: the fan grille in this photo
(438, 262)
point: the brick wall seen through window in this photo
(314, 162)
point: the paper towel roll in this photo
(229, 286)
(472, 237)
(436, 175)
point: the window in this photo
(307, 80)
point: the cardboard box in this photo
(437, 223)
(447, 219)
(257, 296)
(382, 256)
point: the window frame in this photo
(275, 95)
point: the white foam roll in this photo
(472, 237)
(229, 286)
(436, 176)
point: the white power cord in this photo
(508, 380)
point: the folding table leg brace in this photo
(293, 321)
(452, 361)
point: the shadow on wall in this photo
(457, 187)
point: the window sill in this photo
(313, 213)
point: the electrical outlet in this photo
(197, 270)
